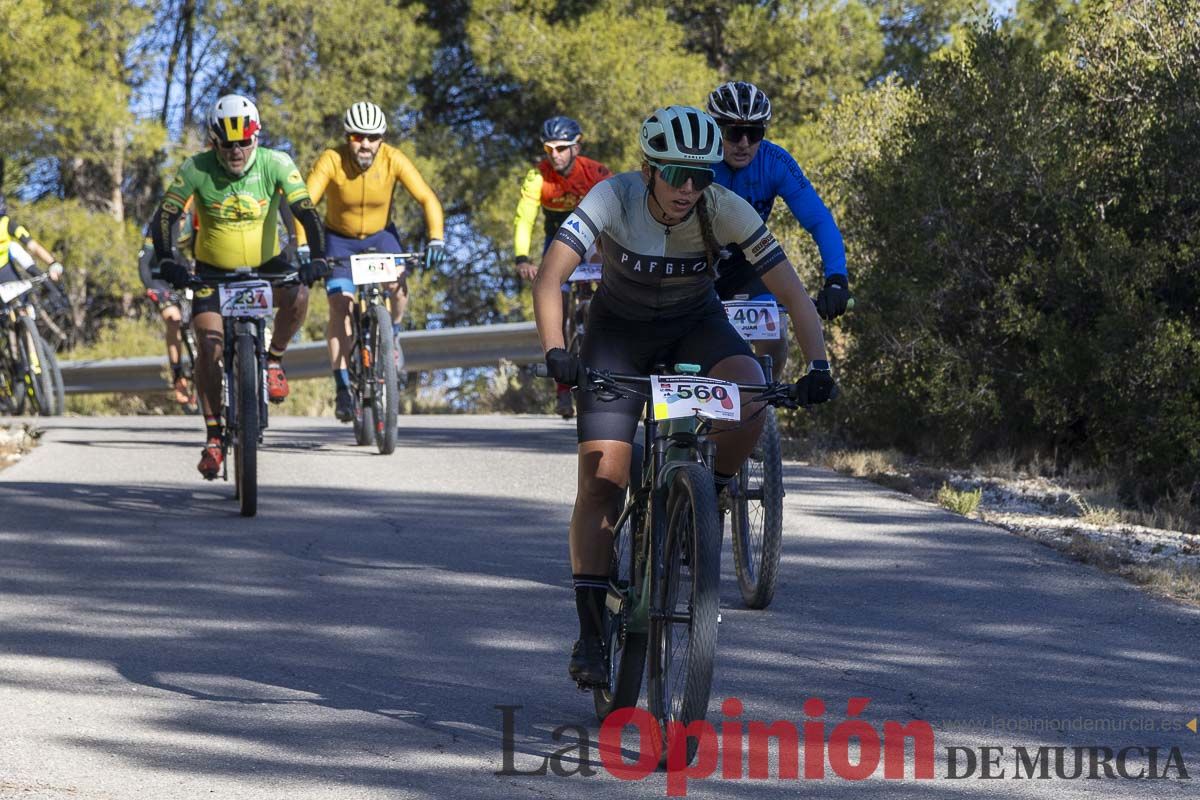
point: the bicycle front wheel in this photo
(39, 387)
(245, 436)
(386, 399)
(683, 637)
(756, 518)
(56, 380)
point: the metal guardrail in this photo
(447, 348)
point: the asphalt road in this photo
(356, 638)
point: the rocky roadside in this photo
(1164, 561)
(15, 441)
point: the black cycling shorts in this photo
(209, 298)
(634, 348)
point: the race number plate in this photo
(588, 270)
(677, 396)
(754, 319)
(246, 299)
(13, 289)
(368, 268)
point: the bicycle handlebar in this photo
(398, 256)
(244, 274)
(774, 393)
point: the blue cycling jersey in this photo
(774, 173)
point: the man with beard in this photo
(357, 179)
(237, 189)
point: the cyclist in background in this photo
(13, 231)
(758, 171)
(238, 187)
(166, 300)
(663, 228)
(556, 185)
(357, 178)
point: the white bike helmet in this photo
(364, 118)
(682, 134)
(739, 101)
(233, 118)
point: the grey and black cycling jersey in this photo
(653, 270)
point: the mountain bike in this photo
(375, 360)
(246, 307)
(756, 492)
(26, 382)
(187, 351)
(661, 612)
(582, 283)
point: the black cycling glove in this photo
(832, 300)
(174, 273)
(815, 387)
(563, 366)
(313, 270)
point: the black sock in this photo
(176, 371)
(590, 592)
(720, 481)
(213, 427)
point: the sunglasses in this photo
(734, 133)
(240, 144)
(557, 148)
(365, 137)
(677, 175)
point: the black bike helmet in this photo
(739, 101)
(561, 129)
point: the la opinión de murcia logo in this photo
(853, 750)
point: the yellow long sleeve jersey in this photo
(358, 201)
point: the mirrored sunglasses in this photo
(677, 175)
(365, 137)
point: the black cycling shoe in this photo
(344, 405)
(589, 666)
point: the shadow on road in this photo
(417, 614)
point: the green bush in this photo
(1027, 234)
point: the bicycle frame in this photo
(667, 445)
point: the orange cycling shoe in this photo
(277, 385)
(211, 458)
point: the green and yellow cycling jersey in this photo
(237, 215)
(10, 232)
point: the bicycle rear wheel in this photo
(683, 640)
(246, 394)
(59, 406)
(756, 518)
(624, 648)
(39, 385)
(386, 391)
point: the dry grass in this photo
(866, 463)
(1164, 578)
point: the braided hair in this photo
(712, 250)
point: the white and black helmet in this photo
(364, 118)
(739, 101)
(682, 133)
